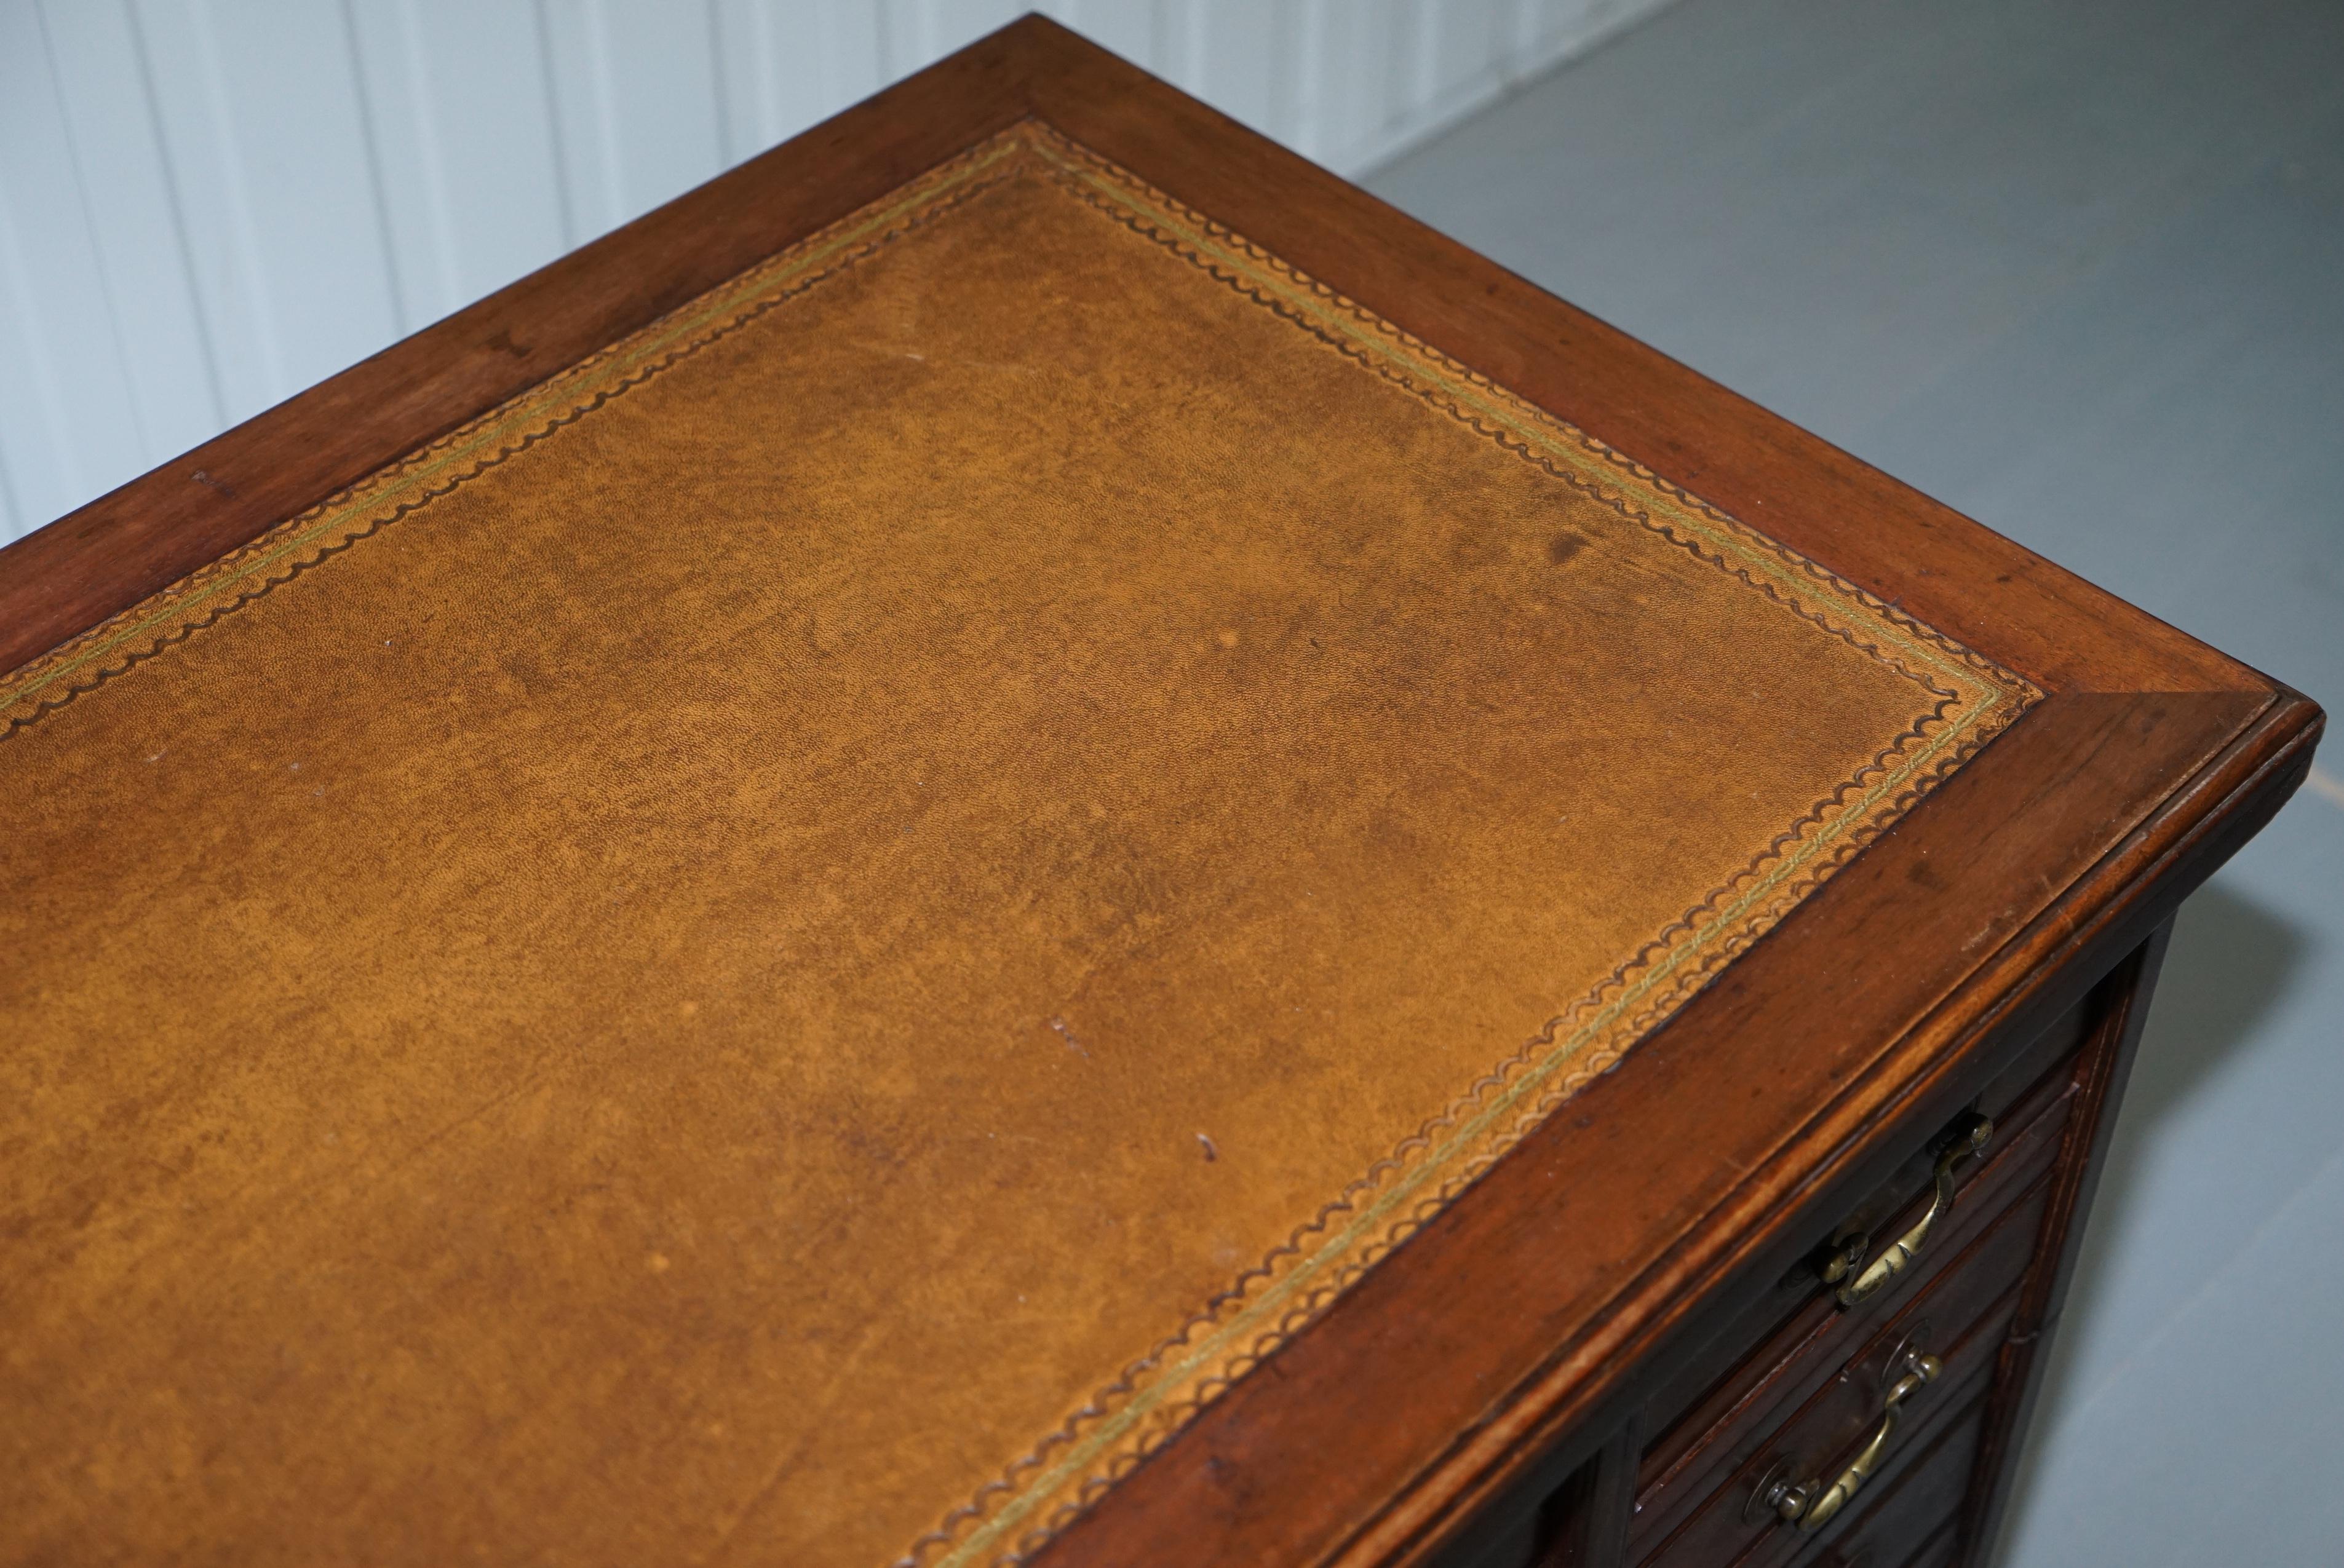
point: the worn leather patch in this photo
(790, 949)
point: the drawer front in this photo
(1911, 1514)
(1917, 1491)
(1928, 1462)
(1724, 1427)
(1789, 1361)
(2028, 1101)
(1960, 1319)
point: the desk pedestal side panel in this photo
(794, 946)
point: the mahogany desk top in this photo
(1022, 833)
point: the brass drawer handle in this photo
(1899, 1254)
(1810, 1504)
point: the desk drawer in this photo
(1920, 1503)
(1916, 1499)
(1743, 1371)
(1734, 1526)
(1719, 1428)
(1824, 1414)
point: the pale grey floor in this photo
(2077, 269)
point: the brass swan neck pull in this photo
(1898, 1255)
(1811, 1504)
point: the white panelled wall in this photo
(206, 205)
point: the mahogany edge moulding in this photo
(1483, 1344)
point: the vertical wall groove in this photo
(403, 291)
(430, 155)
(233, 201)
(241, 275)
(564, 160)
(78, 171)
(174, 214)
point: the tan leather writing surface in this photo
(789, 949)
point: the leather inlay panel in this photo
(835, 918)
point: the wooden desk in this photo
(1025, 836)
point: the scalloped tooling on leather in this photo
(794, 946)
